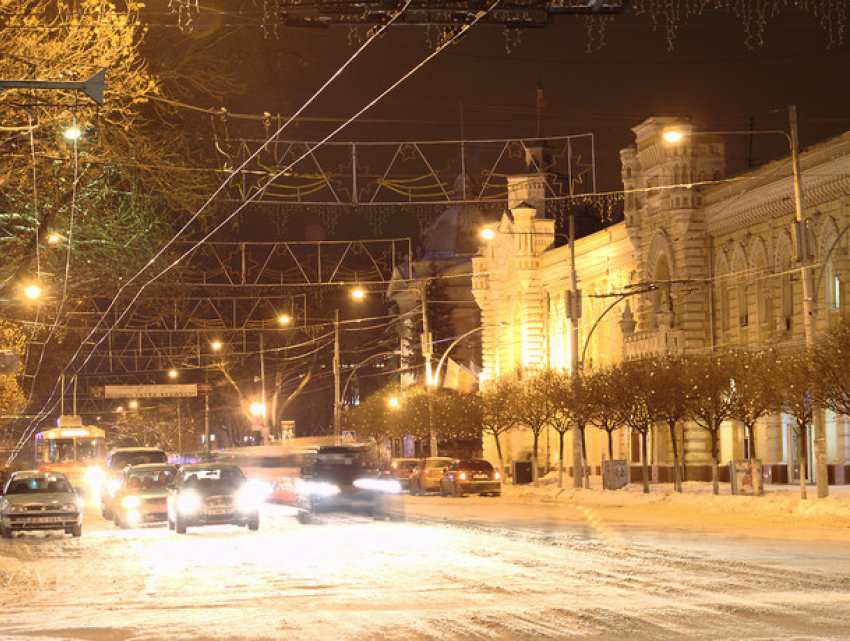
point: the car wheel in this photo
(443, 490)
(305, 517)
(180, 525)
(456, 491)
(497, 494)
(254, 523)
(77, 531)
(5, 532)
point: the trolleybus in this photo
(76, 450)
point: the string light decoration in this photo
(517, 17)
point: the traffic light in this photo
(10, 362)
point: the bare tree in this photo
(671, 407)
(534, 409)
(754, 394)
(799, 396)
(498, 410)
(710, 400)
(602, 388)
(830, 357)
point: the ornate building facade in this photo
(700, 262)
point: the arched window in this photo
(833, 290)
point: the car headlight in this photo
(94, 477)
(188, 503)
(318, 488)
(388, 486)
(130, 502)
(252, 494)
(17, 509)
(69, 507)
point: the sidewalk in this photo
(780, 511)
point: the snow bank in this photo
(777, 500)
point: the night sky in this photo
(484, 87)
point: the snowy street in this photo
(474, 567)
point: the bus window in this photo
(90, 448)
(59, 450)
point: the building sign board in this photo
(146, 391)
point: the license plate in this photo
(480, 477)
(218, 511)
(43, 519)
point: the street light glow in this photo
(172, 373)
(258, 409)
(673, 135)
(134, 405)
(488, 234)
(73, 133)
(216, 345)
(32, 291)
(393, 401)
(357, 293)
(53, 239)
(284, 319)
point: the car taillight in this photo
(496, 476)
(462, 476)
(395, 465)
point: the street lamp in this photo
(216, 347)
(673, 135)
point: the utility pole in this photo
(336, 376)
(804, 254)
(427, 352)
(574, 312)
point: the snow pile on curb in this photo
(784, 500)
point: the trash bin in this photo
(523, 472)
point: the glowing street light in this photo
(134, 405)
(216, 345)
(73, 133)
(54, 239)
(393, 401)
(32, 291)
(284, 319)
(257, 409)
(488, 234)
(172, 373)
(357, 293)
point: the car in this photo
(141, 497)
(344, 478)
(471, 476)
(400, 469)
(40, 501)
(426, 476)
(213, 494)
(116, 461)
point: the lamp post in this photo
(805, 259)
(216, 346)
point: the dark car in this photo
(40, 501)
(213, 494)
(116, 461)
(344, 478)
(471, 476)
(141, 497)
(426, 476)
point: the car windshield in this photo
(213, 479)
(150, 479)
(475, 466)
(120, 460)
(38, 485)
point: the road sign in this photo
(348, 436)
(144, 391)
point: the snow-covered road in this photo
(493, 569)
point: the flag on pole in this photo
(541, 101)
